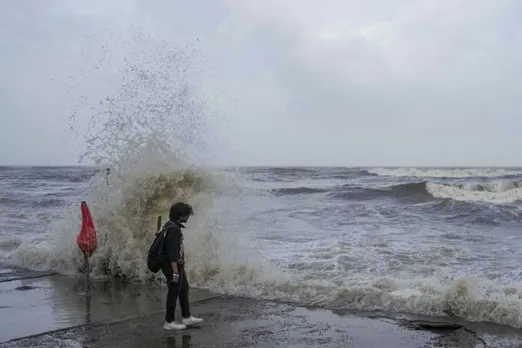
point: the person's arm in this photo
(173, 240)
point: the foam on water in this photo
(444, 173)
(501, 191)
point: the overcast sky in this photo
(286, 82)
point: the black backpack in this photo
(156, 255)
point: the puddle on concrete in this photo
(32, 306)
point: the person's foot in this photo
(174, 326)
(191, 321)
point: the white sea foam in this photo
(443, 173)
(494, 192)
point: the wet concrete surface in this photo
(35, 305)
(235, 322)
(232, 322)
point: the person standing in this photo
(173, 268)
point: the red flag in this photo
(87, 240)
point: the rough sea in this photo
(430, 241)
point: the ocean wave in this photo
(466, 297)
(125, 223)
(365, 172)
(412, 192)
(302, 190)
(500, 192)
(291, 174)
(36, 202)
(496, 192)
(444, 173)
(36, 176)
(156, 134)
(276, 174)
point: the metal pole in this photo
(87, 271)
(159, 224)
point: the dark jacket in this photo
(174, 248)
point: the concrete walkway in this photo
(234, 322)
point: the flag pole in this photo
(87, 271)
(158, 228)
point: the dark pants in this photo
(179, 289)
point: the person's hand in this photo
(175, 277)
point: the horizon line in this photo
(269, 166)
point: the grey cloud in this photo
(340, 82)
(446, 76)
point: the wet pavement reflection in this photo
(36, 305)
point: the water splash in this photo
(153, 132)
(155, 101)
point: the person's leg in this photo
(172, 298)
(188, 319)
(170, 305)
(184, 296)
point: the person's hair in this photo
(180, 209)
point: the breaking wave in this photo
(492, 192)
(467, 297)
(148, 133)
(499, 192)
(444, 173)
(496, 192)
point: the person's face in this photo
(184, 219)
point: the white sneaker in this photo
(174, 326)
(191, 321)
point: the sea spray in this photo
(152, 132)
